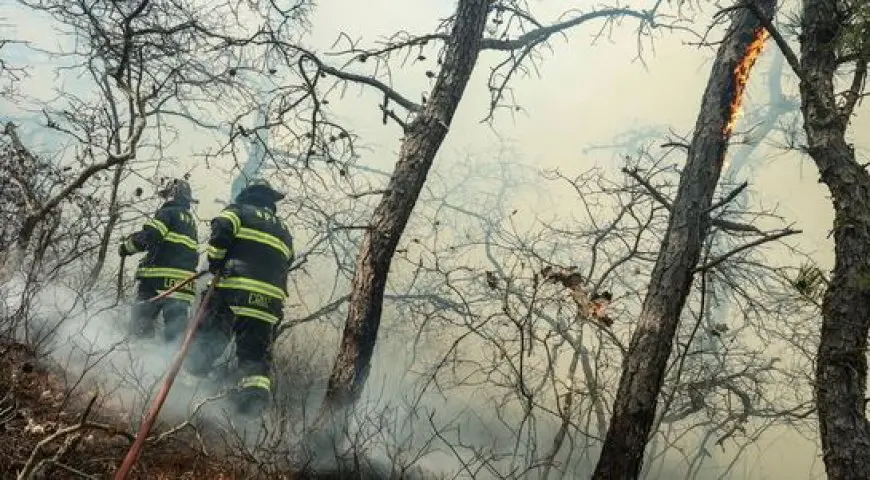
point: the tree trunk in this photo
(644, 367)
(106, 237)
(423, 138)
(841, 365)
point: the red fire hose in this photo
(148, 421)
(178, 286)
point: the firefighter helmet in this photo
(262, 185)
(177, 189)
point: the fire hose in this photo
(178, 286)
(148, 421)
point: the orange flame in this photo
(741, 77)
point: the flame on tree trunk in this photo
(741, 78)
(644, 367)
(421, 142)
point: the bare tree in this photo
(152, 65)
(541, 368)
(643, 370)
(423, 136)
(508, 313)
(834, 35)
(68, 233)
(10, 73)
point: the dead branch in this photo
(388, 91)
(774, 32)
(723, 224)
(729, 197)
(760, 241)
(30, 466)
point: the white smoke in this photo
(394, 431)
(85, 336)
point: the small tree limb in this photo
(760, 241)
(30, 466)
(729, 197)
(723, 224)
(774, 32)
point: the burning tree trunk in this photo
(421, 142)
(643, 369)
(841, 365)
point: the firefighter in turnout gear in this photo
(170, 240)
(251, 250)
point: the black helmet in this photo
(260, 185)
(177, 189)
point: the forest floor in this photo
(52, 434)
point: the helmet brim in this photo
(275, 195)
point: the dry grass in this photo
(36, 407)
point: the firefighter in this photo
(170, 240)
(251, 250)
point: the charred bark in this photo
(644, 367)
(841, 365)
(423, 138)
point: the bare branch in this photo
(723, 224)
(760, 241)
(729, 197)
(388, 91)
(781, 42)
(542, 34)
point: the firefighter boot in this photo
(143, 318)
(174, 320)
(253, 397)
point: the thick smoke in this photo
(395, 431)
(85, 335)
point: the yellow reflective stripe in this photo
(251, 285)
(131, 247)
(215, 253)
(158, 225)
(254, 313)
(187, 297)
(182, 239)
(152, 272)
(264, 238)
(256, 381)
(233, 218)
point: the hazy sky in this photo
(585, 95)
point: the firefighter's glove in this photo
(122, 250)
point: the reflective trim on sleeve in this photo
(233, 218)
(130, 246)
(254, 313)
(158, 225)
(215, 253)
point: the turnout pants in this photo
(174, 309)
(250, 319)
